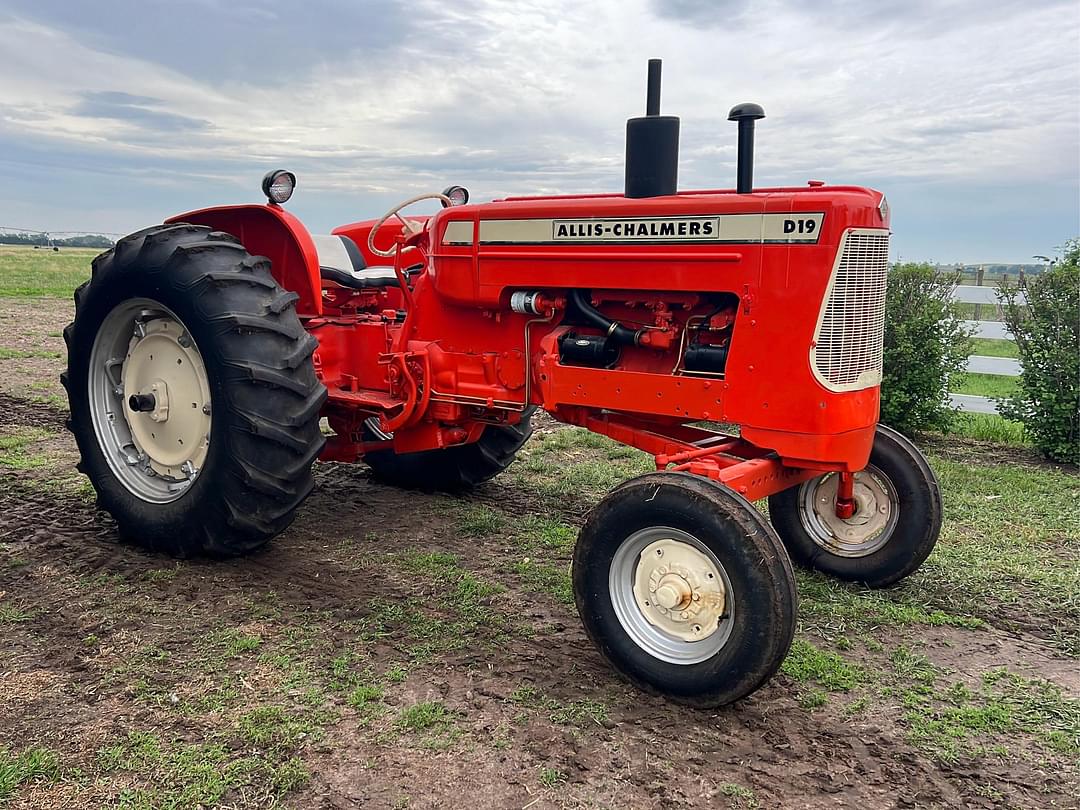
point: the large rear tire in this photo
(893, 530)
(685, 589)
(454, 469)
(194, 400)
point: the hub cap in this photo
(869, 529)
(149, 400)
(671, 595)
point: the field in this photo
(400, 651)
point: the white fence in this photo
(980, 364)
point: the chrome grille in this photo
(851, 328)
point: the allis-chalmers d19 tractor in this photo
(206, 350)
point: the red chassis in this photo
(444, 354)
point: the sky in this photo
(118, 113)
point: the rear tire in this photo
(897, 480)
(685, 589)
(454, 469)
(205, 301)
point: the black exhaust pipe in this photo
(746, 115)
(652, 146)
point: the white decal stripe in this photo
(795, 228)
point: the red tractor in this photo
(735, 335)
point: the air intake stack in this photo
(652, 146)
(746, 115)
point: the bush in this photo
(1047, 333)
(926, 344)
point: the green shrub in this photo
(926, 344)
(1047, 335)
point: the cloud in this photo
(371, 101)
(143, 112)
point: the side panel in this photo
(271, 231)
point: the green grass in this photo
(581, 713)
(32, 765)
(432, 722)
(989, 427)
(807, 663)
(989, 347)
(172, 776)
(986, 385)
(425, 716)
(15, 450)
(479, 521)
(551, 777)
(956, 721)
(232, 643)
(462, 592)
(739, 796)
(28, 272)
(12, 615)
(21, 354)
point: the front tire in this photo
(193, 397)
(685, 589)
(891, 534)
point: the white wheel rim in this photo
(671, 595)
(143, 348)
(877, 511)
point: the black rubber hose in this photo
(616, 331)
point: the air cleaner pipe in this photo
(746, 115)
(614, 330)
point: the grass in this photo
(175, 775)
(551, 777)
(990, 347)
(957, 721)
(31, 765)
(986, 385)
(12, 615)
(989, 427)
(26, 272)
(580, 713)
(22, 354)
(807, 663)
(15, 451)
(432, 722)
(479, 521)
(739, 796)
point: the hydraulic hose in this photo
(614, 330)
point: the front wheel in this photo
(685, 589)
(894, 528)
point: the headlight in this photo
(458, 195)
(278, 185)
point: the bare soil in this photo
(115, 640)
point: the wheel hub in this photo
(167, 398)
(678, 589)
(867, 530)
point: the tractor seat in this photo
(341, 262)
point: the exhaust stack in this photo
(652, 146)
(746, 115)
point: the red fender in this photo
(271, 231)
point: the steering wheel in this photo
(411, 226)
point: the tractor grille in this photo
(851, 328)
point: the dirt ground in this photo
(401, 650)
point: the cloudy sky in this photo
(117, 113)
